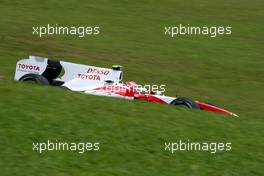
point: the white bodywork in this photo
(81, 78)
(77, 77)
(33, 64)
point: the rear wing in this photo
(66, 71)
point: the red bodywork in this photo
(213, 108)
(128, 91)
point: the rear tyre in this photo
(35, 78)
(185, 102)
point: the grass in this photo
(227, 70)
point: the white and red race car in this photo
(98, 81)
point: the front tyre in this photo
(185, 102)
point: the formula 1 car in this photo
(98, 81)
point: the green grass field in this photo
(227, 70)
